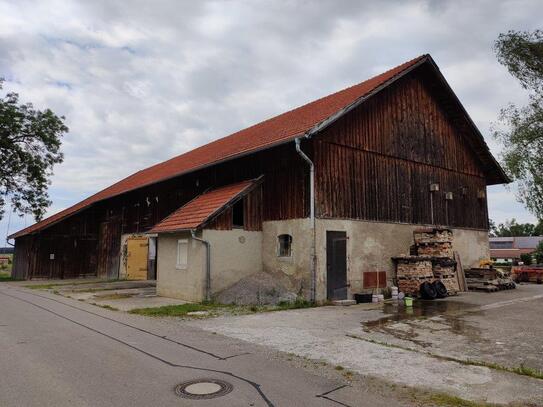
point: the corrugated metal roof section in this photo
(268, 133)
(203, 208)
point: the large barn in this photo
(316, 198)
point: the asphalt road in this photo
(60, 352)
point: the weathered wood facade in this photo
(374, 163)
(378, 162)
(283, 195)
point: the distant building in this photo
(510, 248)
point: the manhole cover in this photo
(201, 389)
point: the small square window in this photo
(284, 248)
(182, 254)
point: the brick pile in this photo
(433, 242)
(411, 271)
(431, 259)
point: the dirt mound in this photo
(259, 288)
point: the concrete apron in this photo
(340, 336)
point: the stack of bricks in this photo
(444, 269)
(411, 272)
(431, 259)
(433, 242)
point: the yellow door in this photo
(137, 256)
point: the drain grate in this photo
(202, 389)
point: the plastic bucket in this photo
(408, 301)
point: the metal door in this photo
(136, 258)
(336, 265)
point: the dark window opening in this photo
(285, 245)
(237, 214)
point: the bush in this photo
(526, 258)
(539, 253)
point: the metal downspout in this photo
(208, 263)
(312, 218)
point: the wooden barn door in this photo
(137, 256)
(336, 265)
(109, 246)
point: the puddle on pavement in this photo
(449, 318)
(420, 309)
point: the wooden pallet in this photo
(489, 288)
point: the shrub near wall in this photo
(526, 258)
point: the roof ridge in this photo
(265, 134)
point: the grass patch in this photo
(446, 400)
(339, 368)
(106, 306)
(115, 296)
(298, 303)
(7, 277)
(53, 285)
(214, 308)
(178, 310)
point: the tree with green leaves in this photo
(526, 258)
(521, 128)
(30, 142)
(513, 228)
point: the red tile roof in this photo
(202, 208)
(268, 133)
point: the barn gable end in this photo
(377, 162)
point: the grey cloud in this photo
(141, 81)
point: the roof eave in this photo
(501, 177)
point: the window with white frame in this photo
(182, 254)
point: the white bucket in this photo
(374, 298)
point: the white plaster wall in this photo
(371, 245)
(291, 271)
(235, 254)
(186, 284)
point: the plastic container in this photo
(380, 297)
(362, 298)
(408, 301)
(374, 298)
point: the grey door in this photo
(336, 265)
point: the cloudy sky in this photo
(142, 81)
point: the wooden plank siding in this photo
(283, 195)
(252, 213)
(377, 162)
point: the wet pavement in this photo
(503, 328)
(435, 345)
